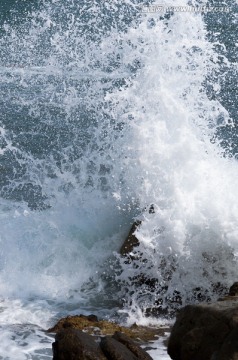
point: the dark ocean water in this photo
(222, 30)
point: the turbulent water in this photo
(108, 108)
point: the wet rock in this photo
(233, 289)
(229, 349)
(114, 350)
(205, 331)
(79, 322)
(131, 241)
(132, 346)
(233, 293)
(71, 344)
(103, 327)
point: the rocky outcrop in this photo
(115, 350)
(206, 331)
(131, 345)
(83, 337)
(91, 325)
(72, 344)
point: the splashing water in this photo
(106, 110)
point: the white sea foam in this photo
(189, 242)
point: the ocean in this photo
(110, 109)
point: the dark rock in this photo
(131, 241)
(67, 324)
(152, 209)
(205, 332)
(92, 318)
(71, 344)
(234, 289)
(74, 344)
(229, 349)
(114, 350)
(132, 346)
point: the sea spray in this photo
(56, 154)
(188, 245)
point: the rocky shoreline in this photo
(207, 331)
(88, 338)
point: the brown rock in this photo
(131, 241)
(103, 327)
(132, 346)
(202, 331)
(79, 322)
(114, 350)
(71, 344)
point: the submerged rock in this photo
(206, 331)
